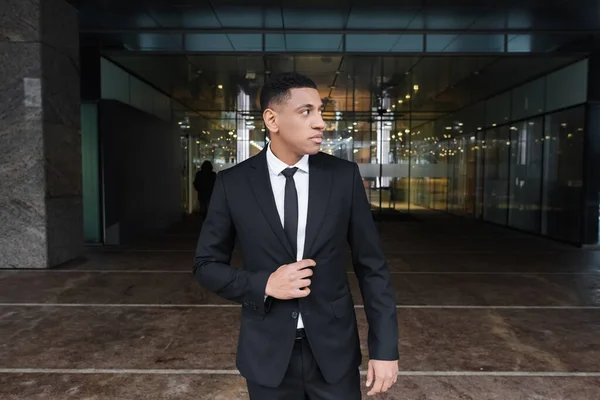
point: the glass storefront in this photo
(526, 175)
(511, 158)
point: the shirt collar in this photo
(276, 165)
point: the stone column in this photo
(40, 147)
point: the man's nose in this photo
(319, 123)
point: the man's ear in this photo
(270, 119)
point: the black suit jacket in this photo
(243, 208)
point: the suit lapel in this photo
(261, 186)
(319, 189)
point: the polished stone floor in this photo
(484, 313)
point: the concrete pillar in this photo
(40, 145)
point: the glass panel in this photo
(480, 181)
(567, 87)
(275, 42)
(185, 178)
(273, 18)
(526, 175)
(304, 18)
(384, 43)
(465, 43)
(438, 43)
(158, 41)
(90, 174)
(440, 157)
(563, 148)
(429, 180)
(141, 95)
(313, 42)
(173, 18)
(497, 110)
(161, 106)
(207, 42)
(381, 17)
(497, 158)
(398, 167)
(114, 82)
(528, 100)
(239, 17)
(463, 156)
(249, 42)
(520, 43)
(538, 42)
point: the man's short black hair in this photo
(277, 89)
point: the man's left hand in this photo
(382, 374)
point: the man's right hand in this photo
(290, 281)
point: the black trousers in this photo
(303, 380)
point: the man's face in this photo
(298, 121)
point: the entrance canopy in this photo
(334, 26)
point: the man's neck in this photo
(288, 157)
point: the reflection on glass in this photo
(415, 152)
(462, 175)
(561, 200)
(480, 181)
(184, 177)
(525, 175)
(429, 155)
(496, 150)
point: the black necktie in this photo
(290, 208)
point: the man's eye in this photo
(305, 112)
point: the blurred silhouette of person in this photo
(204, 183)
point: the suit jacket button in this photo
(294, 315)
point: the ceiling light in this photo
(416, 87)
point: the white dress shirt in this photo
(278, 185)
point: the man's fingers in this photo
(302, 283)
(306, 272)
(377, 385)
(303, 292)
(370, 375)
(304, 264)
(387, 384)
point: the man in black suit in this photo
(293, 211)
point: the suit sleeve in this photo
(213, 256)
(373, 276)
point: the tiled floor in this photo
(484, 313)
